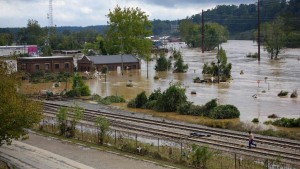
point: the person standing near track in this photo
(251, 139)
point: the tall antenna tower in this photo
(50, 17)
(50, 22)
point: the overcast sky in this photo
(15, 13)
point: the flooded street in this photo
(274, 76)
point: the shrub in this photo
(255, 120)
(273, 116)
(225, 112)
(197, 80)
(150, 104)
(285, 122)
(85, 90)
(73, 93)
(294, 94)
(141, 99)
(131, 104)
(211, 104)
(109, 99)
(283, 93)
(155, 95)
(115, 99)
(155, 77)
(171, 99)
(197, 110)
(250, 55)
(185, 108)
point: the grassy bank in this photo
(231, 124)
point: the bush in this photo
(211, 104)
(155, 95)
(184, 108)
(197, 110)
(115, 99)
(73, 93)
(141, 99)
(255, 120)
(197, 80)
(250, 55)
(131, 104)
(171, 99)
(225, 112)
(283, 93)
(150, 104)
(85, 91)
(294, 94)
(273, 116)
(285, 122)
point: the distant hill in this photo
(97, 28)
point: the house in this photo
(53, 64)
(21, 49)
(88, 63)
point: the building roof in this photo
(111, 59)
(46, 57)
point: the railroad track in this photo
(286, 149)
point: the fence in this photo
(173, 150)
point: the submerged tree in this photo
(273, 37)
(162, 64)
(179, 66)
(17, 112)
(224, 68)
(214, 34)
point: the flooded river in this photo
(274, 76)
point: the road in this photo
(49, 153)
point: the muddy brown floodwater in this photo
(274, 76)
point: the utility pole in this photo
(258, 30)
(218, 57)
(202, 32)
(122, 55)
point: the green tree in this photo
(62, 117)
(200, 156)
(103, 126)
(224, 68)
(214, 34)
(6, 39)
(162, 64)
(274, 37)
(78, 114)
(128, 29)
(171, 98)
(17, 112)
(179, 66)
(33, 34)
(79, 88)
(104, 70)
